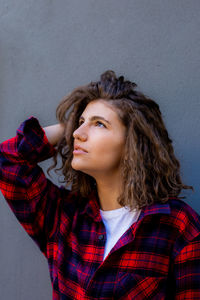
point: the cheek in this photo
(108, 153)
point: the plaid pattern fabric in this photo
(158, 257)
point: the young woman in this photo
(120, 232)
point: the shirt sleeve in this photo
(34, 199)
(187, 271)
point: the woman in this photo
(121, 232)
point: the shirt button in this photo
(101, 237)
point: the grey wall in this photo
(49, 47)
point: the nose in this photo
(80, 134)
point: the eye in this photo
(80, 123)
(100, 124)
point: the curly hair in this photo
(150, 171)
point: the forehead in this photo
(101, 108)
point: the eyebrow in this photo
(93, 118)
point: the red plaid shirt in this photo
(158, 257)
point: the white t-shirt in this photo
(117, 221)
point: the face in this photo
(101, 135)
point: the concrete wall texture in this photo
(47, 48)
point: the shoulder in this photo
(184, 218)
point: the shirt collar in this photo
(156, 208)
(92, 208)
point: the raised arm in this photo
(54, 133)
(35, 200)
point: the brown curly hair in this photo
(149, 168)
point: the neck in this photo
(108, 191)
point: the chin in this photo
(76, 166)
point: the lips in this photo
(78, 148)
